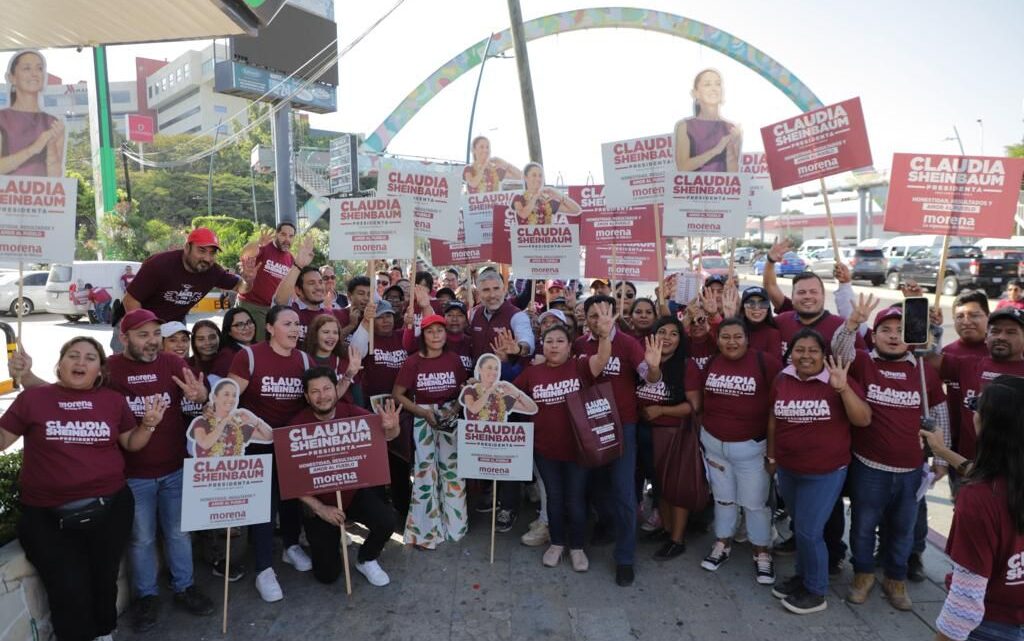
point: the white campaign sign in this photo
(495, 451)
(37, 218)
(368, 228)
(705, 203)
(436, 191)
(478, 214)
(634, 170)
(545, 251)
(763, 200)
(225, 491)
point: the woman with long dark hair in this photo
(986, 542)
(324, 345)
(754, 308)
(237, 329)
(208, 355)
(642, 316)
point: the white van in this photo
(99, 273)
(810, 246)
(990, 247)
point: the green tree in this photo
(1015, 151)
(233, 234)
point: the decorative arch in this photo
(597, 18)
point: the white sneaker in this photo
(105, 637)
(373, 573)
(537, 535)
(268, 587)
(297, 557)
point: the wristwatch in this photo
(768, 257)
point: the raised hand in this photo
(369, 313)
(652, 350)
(779, 249)
(248, 268)
(911, 289)
(730, 301)
(841, 272)
(422, 296)
(837, 373)
(304, 255)
(708, 302)
(863, 308)
(20, 363)
(354, 362)
(390, 419)
(153, 411)
(191, 385)
(605, 320)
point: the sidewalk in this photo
(454, 594)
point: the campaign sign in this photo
(495, 451)
(339, 454)
(444, 253)
(225, 491)
(368, 228)
(37, 218)
(478, 213)
(816, 144)
(634, 169)
(622, 261)
(600, 224)
(953, 195)
(762, 199)
(436, 191)
(704, 203)
(546, 251)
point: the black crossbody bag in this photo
(83, 514)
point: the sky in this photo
(920, 68)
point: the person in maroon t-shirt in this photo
(359, 297)
(970, 321)
(1014, 295)
(72, 430)
(732, 393)
(813, 408)
(755, 308)
(427, 387)
(986, 540)
(322, 516)
(208, 355)
(101, 300)
(126, 279)
(272, 253)
(170, 283)
(325, 348)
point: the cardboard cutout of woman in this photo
(487, 398)
(223, 429)
(32, 142)
(706, 141)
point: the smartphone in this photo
(915, 320)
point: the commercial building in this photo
(71, 102)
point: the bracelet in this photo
(962, 468)
(151, 428)
(770, 259)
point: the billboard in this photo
(292, 38)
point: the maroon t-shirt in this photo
(380, 368)
(274, 391)
(339, 366)
(766, 339)
(984, 539)
(812, 432)
(954, 398)
(893, 389)
(99, 295)
(973, 374)
(272, 265)
(736, 400)
(343, 409)
(548, 386)
(71, 449)
(432, 380)
(164, 287)
(826, 325)
(306, 316)
(218, 367)
(165, 451)
(700, 350)
(622, 370)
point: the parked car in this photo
(99, 273)
(868, 264)
(966, 268)
(33, 293)
(822, 262)
(711, 266)
(745, 255)
(898, 249)
(790, 265)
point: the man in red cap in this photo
(170, 283)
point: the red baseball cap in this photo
(137, 318)
(560, 284)
(886, 314)
(433, 319)
(203, 237)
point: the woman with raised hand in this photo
(486, 172)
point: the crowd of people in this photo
(788, 406)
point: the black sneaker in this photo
(915, 568)
(193, 601)
(718, 555)
(670, 550)
(835, 569)
(235, 572)
(788, 587)
(624, 575)
(505, 519)
(804, 602)
(144, 613)
(484, 504)
(786, 548)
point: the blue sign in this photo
(253, 83)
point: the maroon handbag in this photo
(595, 425)
(683, 479)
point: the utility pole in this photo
(515, 15)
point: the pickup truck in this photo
(966, 268)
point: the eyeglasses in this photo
(330, 278)
(757, 304)
(243, 324)
(971, 316)
(971, 403)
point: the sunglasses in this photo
(757, 304)
(971, 403)
(700, 320)
(243, 324)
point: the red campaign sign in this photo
(600, 224)
(623, 261)
(501, 235)
(589, 197)
(953, 195)
(139, 128)
(816, 144)
(340, 454)
(443, 253)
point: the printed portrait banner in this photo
(700, 203)
(444, 253)
(436, 191)
(37, 218)
(763, 200)
(368, 228)
(634, 169)
(546, 251)
(631, 261)
(495, 451)
(478, 215)
(816, 144)
(340, 454)
(954, 195)
(226, 491)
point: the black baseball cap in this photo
(1011, 313)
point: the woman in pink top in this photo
(707, 142)
(31, 141)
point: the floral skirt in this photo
(437, 511)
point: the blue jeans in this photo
(883, 497)
(616, 497)
(565, 483)
(159, 501)
(810, 499)
(992, 631)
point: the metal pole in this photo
(209, 181)
(252, 184)
(476, 92)
(515, 15)
(127, 177)
(284, 186)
